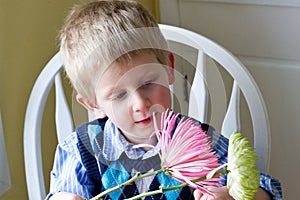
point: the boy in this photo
(119, 64)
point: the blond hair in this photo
(98, 33)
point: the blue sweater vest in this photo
(106, 174)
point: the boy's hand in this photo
(223, 193)
(220, 193)
(66, 196)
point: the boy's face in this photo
(129, 93)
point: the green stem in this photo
(137, 176)
(154, 192)
(162, 190)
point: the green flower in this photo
(243, 178)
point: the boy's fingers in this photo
(197, 194)
(66, 196)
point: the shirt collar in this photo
(114, 138)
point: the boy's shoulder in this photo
(97, 122)
(83, 130)
(87, 132)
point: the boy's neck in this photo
(146, 143)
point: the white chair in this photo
(199, 96)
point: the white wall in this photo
(265, 35)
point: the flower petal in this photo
(186, 151)
(243, 178)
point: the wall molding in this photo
(288, 3)
(269, 62)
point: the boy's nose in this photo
(140, 101)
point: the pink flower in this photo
(186, 152)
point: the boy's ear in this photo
(91, 106)
(171, 69)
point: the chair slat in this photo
(32, 129)
(63, 117)
(231, 120)
(199, 95)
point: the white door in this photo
(265, 35)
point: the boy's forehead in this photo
(130, 62)
(122, 71)
(132, 70)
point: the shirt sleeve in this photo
(220, 146)
(68, 173)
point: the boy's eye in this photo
(118, 96)
(149, 82)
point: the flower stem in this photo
(162, 190)
(159, 191)
(137, 176)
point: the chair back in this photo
(200, 99)
(197, 97)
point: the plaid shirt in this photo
(70, 175)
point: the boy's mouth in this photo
(145, 121)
